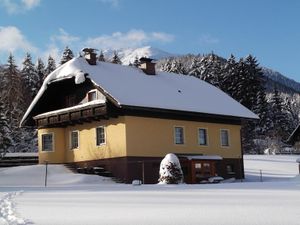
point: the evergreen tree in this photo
(194, 69)
(67, 55)
(101, 57)
(5, 140)
(30, 77)
(167, 65)
(13, 101)
(116, 59)
(211, 69)
(177, 67)
(278, 117)
(230, 77)
(51, 66)
(41, 72)
(136, 62)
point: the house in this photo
(127, 119)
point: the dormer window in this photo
(70, 100)
(92, 95)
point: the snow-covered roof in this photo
(132, 87)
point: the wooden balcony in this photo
(71, 116)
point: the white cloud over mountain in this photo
(132, 38)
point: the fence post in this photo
(261, 176)
(46, 173)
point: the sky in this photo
(267, 29)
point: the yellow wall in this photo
(138, 136)
(155, 137)
(115, 145)
(57, 155)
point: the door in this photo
(202, 170)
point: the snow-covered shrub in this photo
(170, 170)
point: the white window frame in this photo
(183, 136)
(93, 90)
(53, 142)
(228, 133)
(104, 131)
(71, 144)
(207, 138)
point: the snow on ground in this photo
(34, 176)
(69, 201)
(273, 167)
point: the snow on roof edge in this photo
(78, 66)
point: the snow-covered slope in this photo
(281, 79)
(127, 55)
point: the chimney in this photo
(147, 66)
(90, 55)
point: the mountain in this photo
(284, 83)
(127, 55)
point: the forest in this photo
(243, 79)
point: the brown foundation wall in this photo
(146, 169)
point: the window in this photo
(202, 136)
(47, 142)
(74, 139)
(224, 138)
(92, 95)
(70, 100)
(230, 169)
(179, 136)
(100, 135)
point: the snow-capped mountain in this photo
(127, 55)
(281, 79)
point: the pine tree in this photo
(211, 69)
(167, 65)
(116, 59)
(41, 71)
(5, 140)
(278, 116)
(194, 69)
(30, 77)
(101, 57)
(230, 77)
(51, 66)
(13, 100)
(136, 62)
(67, 55)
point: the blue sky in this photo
(270, 30)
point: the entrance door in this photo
(202, 170)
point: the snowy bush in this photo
(170, 170)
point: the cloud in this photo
(20, 6)
(64, 38)
(29, 4)
(12, 39)
(113, 3)
(133, 38)
(207, 39)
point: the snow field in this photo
(159, 204)
(8, 214)
(77, 199)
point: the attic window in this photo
(70, 100)
(92, 95)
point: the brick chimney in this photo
(90, 55)
(147, 66)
